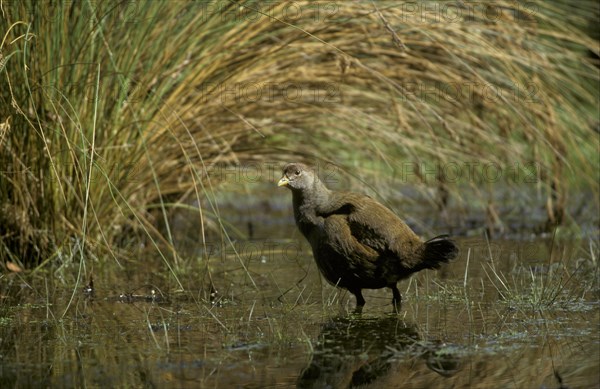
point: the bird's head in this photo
(297, 176)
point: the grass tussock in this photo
(113, 113)
(560, 282)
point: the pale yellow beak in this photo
(283, 182)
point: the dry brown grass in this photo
(104, 134)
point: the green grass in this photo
(561, 281)
(445, 321)
(113, 113)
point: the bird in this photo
(357, 242)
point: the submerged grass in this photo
(559, 282)
(114, 113)
(447, 329)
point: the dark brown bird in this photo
(357, 242)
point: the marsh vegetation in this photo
(140, 144)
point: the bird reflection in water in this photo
(358, 351)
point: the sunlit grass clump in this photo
(112, 113)
(558, 283)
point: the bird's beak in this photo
(283, 182)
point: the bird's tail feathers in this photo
(438, 250)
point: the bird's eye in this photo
(297, 172)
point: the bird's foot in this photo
(358, 310)
(396, 306)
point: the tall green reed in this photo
(114, 112)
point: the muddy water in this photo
(508, 313)
(513, 314)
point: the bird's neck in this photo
(306, 204)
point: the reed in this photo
(113, 113)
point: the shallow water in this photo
(511, 314)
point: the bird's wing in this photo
(371, 224)
(342, 240)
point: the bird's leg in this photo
(360, 301)
(397, 299)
